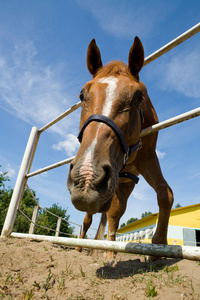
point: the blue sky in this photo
(43, 47)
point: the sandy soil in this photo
(41, 270)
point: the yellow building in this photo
(183, 229)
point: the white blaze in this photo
(86, 168)
(110, 93)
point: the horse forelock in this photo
(114, 68)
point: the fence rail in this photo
(187, 252)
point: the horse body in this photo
(94, 183)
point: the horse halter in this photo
(127, 150)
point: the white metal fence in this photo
(25, 168)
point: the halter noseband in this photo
(127, 150)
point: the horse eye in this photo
(81, 96)
(140, 99)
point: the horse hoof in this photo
(79, 249)
(109, 255)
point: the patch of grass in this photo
(82, 272)
(69, 269)
(27, 295)
(19, 276)
(170, 269)
(61, 281)
(45, 248)
(37, 285)
(151, 290)
(102, 276)
(48, 285)
(92, 281)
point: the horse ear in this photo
(136, 57)
(93, 58)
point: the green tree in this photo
(3, 178)
(131, 220)
(5, 196)
(27, 206)
(47, 220)
(146, 214)
(178, 205)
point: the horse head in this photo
(110, 123)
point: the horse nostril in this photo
(71, 177)
(102, 182)
(71, 166)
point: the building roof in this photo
(155, 216)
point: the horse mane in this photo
(113, 68)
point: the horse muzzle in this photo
(91, 188)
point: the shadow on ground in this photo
(132, 267)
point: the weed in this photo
(168, 269)
(27, 295)
(37, 285)
(51, 258)
(69, 269)
(47, 285)
(192, 286)
(82, 272)
(19, 276)
(151, 290)
(102, 274)
(104, 263)
(61, 282)
(45, 248)
(9, 277)
(92, 281)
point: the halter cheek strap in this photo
(127, 150)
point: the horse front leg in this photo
(150, 169)
(116, 211)
(86, 225)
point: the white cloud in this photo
(194, 175)
(179, 73)
(69, 145)
(125, 19)
(160, 154)
(11, 172)
(32, 92)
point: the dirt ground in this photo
(41, 270)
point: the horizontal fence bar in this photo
(186, 252)
(63, 115)
(41, 226)
(149, 130)
(53, 166)
(180, 39)
(178, 119)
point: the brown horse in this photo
(110, 128)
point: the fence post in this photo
(58, 226)
(20, 183)
(79, 231)
(34, 219)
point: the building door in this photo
(197, 238)
(189, 237)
